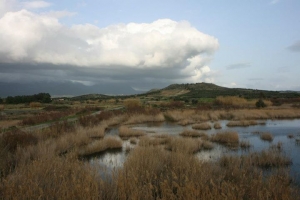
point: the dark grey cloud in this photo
(238, 66)
(294, 47)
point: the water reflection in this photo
(280, 129)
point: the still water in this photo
(280, 129)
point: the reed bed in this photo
(230, 139)
(142, 118)
(192, 133)
(202, 126)
(217, 125)
(245, 144)
(150, 141)
(99, 146)
(266, 136)
(242, 123)
(125, 132)
(184, 145)
(178, 175)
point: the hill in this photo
(209, 90)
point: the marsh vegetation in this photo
(63, 160)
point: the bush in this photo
(260, 104)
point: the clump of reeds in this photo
(245, 144)
(290, 136)
(202, 126)
(266, 136)
(184, 145)
(125, 132)
(142, 118)
(230, 139)
(96, 131)
(217, 125)
(206, 145)
(99, 146)
(192, 133)
(133, 141)
(55, 178)
(153, 141)
(269, 158)
(243, 123)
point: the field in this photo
(53, 161)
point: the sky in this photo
(132, 46)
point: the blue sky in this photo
(233, 43)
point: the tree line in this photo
(41, 97)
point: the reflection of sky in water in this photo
(279, 128)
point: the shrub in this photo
(260, 104)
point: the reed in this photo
(192, 133)
(242, 123)
(266, 136)
(125, 132)
(202, 126)
(230, 139)
(100, 146)
(217, 125)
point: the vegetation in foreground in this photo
(47, 163)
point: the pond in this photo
(280, 129)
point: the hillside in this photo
(209, 90)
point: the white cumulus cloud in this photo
(173, 47)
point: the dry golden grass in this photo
(186, 122)
(217, 125)
(9, 123)
(242, 123)
(133, 140)
(150, 141)
(100, 146)
(125, 132)
(192, 133)
(232, 101)
(132, 103)
(266, 136)
(35, 104)
(151, 173)
(142, 118)
(1, 107)
(177, 115)
(96, 131)
(184, 145)
(202, 126)
(230, 139)
(269, 158)
(55, 178)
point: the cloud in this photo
(238, 66)
(35, 4)
(294, 47)
(164, 50)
